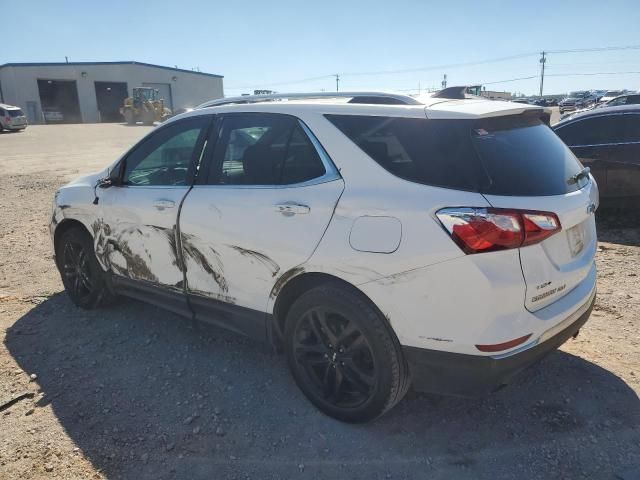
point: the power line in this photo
(590, 73)
(509, 80)
(440, 67)
(459, 65)
(597, 49)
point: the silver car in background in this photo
(12, 118)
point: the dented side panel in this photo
(238, 245)
(136, 239)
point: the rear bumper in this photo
(469, 375)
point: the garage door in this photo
(165, 92)
(59, 100)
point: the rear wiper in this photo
(584, 173)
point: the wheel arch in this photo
(296, 284)
(64, 226)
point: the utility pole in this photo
(543, 60)
(444, 81)
(337, 82)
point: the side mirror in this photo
(105, 183)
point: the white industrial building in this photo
(94, 91)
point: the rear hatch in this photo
(17, 117)
(507, 153)
(528, 167)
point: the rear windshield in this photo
(15, 113)
(513, 155)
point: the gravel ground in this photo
(135, 392)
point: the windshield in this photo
(577, 94)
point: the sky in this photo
(300, 45)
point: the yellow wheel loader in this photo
(146, 106)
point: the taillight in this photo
(7, 119)
(478, 230)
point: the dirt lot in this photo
(135, 392)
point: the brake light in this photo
(8, 119)
(478, 230)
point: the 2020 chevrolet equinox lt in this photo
(380, 240)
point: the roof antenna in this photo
(66, 59)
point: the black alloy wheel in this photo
(343, 353)
(77, 276)
(82, 276)
(336, 358)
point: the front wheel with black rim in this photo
(82, 276)
(343, 354)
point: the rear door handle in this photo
(290, 208)
(163, 204)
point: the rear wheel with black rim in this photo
(82, 276)
(343, 354)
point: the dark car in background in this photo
(607, 140)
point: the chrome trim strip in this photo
(605, 144)
(331, 172)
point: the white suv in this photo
(380, 240)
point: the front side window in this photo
(167, 156)
(264, 149)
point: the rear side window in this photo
(264, 149)
(2, 112)
(432, 152)
(511, 155)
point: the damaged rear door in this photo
(259, 208)
(136, 234)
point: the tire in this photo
(343, 355)
(148, 117)
(129, 117)
(82, 276)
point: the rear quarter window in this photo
(431, 152)
(512, 155)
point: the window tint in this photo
(522, 156)
(601, 130)
(432, 152)
(512, 155)
(264, 149)
(2, 113)
(15, 113)
(616, 102)
(166, 156)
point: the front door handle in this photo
(289, 208)
(163, 204)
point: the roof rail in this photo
(356, 97)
